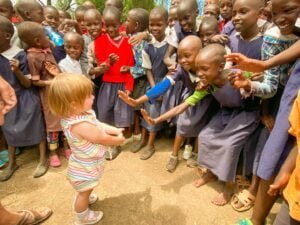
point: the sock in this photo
(82, 215)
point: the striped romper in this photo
(86, 162)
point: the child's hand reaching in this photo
(146, 117)
(14, 64)
(172, 69)
(238, 80)
(125, 97)
(125, 69)
(257, 77)
(52, 68)
(244, 63)
(101, 69)
(279, 184)
(113, 58)
(220, 38)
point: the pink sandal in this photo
(54, 161)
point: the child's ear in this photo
(8, 36)
(260, 12)
(27, 15)
(36, 40)
(221, 66)
(137, 24)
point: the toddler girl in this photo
(70, 97)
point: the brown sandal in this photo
(245, 198)
(34, 217)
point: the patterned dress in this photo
(86, 162)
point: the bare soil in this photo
(131, 192)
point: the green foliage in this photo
(128, 4)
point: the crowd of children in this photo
(91, 84)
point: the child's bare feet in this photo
(206, 177)
(224, 197)
(130, 101)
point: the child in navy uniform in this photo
(24, 125)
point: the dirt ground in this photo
(131, 192)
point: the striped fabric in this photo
(86, 162)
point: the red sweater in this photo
(104, 46)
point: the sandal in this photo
(33, 217)
(93, 198)
(7, 173)
(138, 147)
(242, 183)
(54, 161)
(40, 170)
(245, 198)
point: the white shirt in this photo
(68, 65)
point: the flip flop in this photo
(245, 198)
(244, 222)
(34, 217)
(7, 173)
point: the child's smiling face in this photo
(93, 23)
(52, 18)
(112, 24)
(244, 15)
(157, 26)
(285, 13)
(73, 46)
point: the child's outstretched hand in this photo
(220, 39)
(172, 69)
(238, 80)
(279, 184)
(146, 117)
(14, 64)
(113, 58)
(244, 63)
(52, 68)
(125, 69)
(125, 97)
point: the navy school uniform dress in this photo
(154, 52)
(223, 138)
(24, 124)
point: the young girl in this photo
(24, 124)
(71, 98)
(115, 51)
(43, 69)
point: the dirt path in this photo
(132, 192)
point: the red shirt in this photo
(104, 46)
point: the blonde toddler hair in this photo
(68, 90)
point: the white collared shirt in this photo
(69, 65)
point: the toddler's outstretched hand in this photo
(220, 39)
(146, 116)
(125, 97)
(52, 68)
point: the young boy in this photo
(43, 68)
(187, 12)
(115, 51)
(137, 21)
(73, 48)
(190, 123)
(156, 70)
(173, 18)
(30, 10)
(51, 24)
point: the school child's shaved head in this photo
(30, 10)
(6, 26)
(214, 53)
(28, 31)
(112, 12)
(159, 10)
(191, 42)
(141, 16)
(116, 3)
(187, 6)
(6, 9)
(92, 13)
